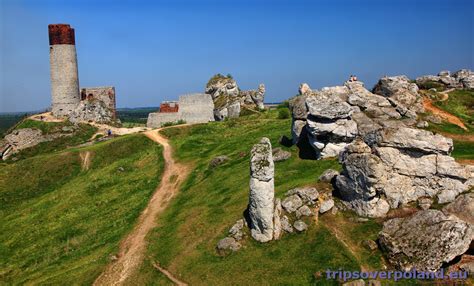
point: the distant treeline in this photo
(8, 120)
(135, 115)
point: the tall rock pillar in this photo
(64, 75)
(261, 199)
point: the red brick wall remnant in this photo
(61, 34)
(168, 107)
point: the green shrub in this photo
(283, 113)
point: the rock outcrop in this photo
(425, 240)
(461, 79)
(400, 90)
(403, 165)
(333, 117)
(229, 99)
(261, 198)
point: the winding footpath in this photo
(133, 247)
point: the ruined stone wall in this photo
(63, 66)
(193, 108)
(106, 94)
(196, 108)
(157, 119)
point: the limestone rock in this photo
(304, 89)
(425, 240)
(298, 108)
(328, 175)
(261, 199)
(326, 205)
(401, 90)
(462, 208)
(308, 195)
(292, 203)
(296, 129)
(277, 225)
(303, 211)
(236, 230)
(219, 160)
(280, 154)
(327, 107)
(425, 203)
(300, 226)
(220, 85)
(258, 96)
(286, 225)
(415, 139)
(228, 243)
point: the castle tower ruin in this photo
(64, 75)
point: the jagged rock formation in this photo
(403, 165)
(261, 198)
(253, 97)
(333, 117)
(461, 79)
(92, 111)
(425, 240)
(399, 90)
(229, 99)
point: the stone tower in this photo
(64, 76)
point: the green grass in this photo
(463, 150)
(82, 133)
(461, 104)
(60, 223)
(211, 200)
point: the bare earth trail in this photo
(133, 247)
(428, 105)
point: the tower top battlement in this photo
(61, 34)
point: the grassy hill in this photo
(212, 199)
(62, 216)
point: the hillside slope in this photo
(212, 199)
(63, 214)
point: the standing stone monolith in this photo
(261, 199)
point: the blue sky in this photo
(156, 50)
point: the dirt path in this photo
(428, 105)
(132, 248)
(85, 160)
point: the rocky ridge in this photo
(229, 99)
(463, 78)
